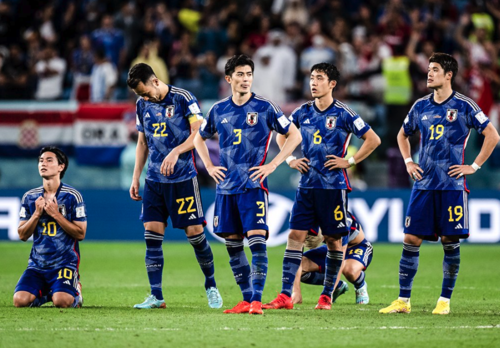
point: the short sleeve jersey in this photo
(244, 136)
(52, 247)
(326, 133)
(444, 129)
(166, 125)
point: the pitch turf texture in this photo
(114, 279)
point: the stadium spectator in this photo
(13, 74)
(102, 79)
(50, 69)
(111, 40)
(149, 56)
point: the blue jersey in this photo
(444, 131)
(244, 136)
(166, 125)
(326, 133)
(52, 247)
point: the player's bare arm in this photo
(217, 173)
(412, 168)
(491, 139)
(76, 229)
(168, 164)
(300, 164)
(27, 228)
(371, 142)
(141, 156)
(293, 139)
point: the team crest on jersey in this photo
(331, 121)
(62, 210)
(216, 221)
(451, 115)
(252, 118)
(169, 111)
(407, 221)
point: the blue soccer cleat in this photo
(150, 303)
(214, 298)
(340, 291)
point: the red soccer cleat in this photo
(324, 302)
(256, 308)
(280, 302)
(241, 307)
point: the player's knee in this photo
(63, 300)
(350, 273)
(21, 300)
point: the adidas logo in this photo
(424, 118)
(261, 221)
(340, 225)
(224, 121)
(192, 217)
(147, 115)
(459, 227)
(67, 282)
(307, 121)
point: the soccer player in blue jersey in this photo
(326, 126)
(358, 256)
(167, 120)
(54, 214)
(244, 122)
(439, 200)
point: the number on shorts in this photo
(356, 251)
(262, 207)
(65, 273)
(183, 201)
(339, 215)
(459, 213)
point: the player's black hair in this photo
(329, 69)
(60, 155)
(235, 61)
(140, 72)
(447, 62)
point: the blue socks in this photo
(408, 266)
(240, 267)
(358, 283)
(154, 262)
(258, 247)
(205, 258)
(291, 264)
(332, 269)
(313, 278)
(451, 265)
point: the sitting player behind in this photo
(357, 259)
(54, 214)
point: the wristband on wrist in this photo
(290, 159)
(352, 161)
(475, 166)
(408, 160)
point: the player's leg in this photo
(63, 284)
(29, 290)
(313, 266)
(454, 225)
(341, 287)
(333, 264)
(358, 258)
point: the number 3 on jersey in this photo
(238, 136)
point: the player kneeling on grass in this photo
(358, 257)
(54, 214)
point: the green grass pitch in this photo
(114, 279)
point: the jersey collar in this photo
(439, 104)
(58, 190)
(242, 105)
(326, 110)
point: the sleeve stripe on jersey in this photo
(421, 99)
(345, 107)
(74, 192)
(220, 101)
(275, 107)
(31, 192)
(182, 92)
(469, 101)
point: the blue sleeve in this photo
(138, 116)
(25, 213)
(277, 120)
(410, 123)
(294, 117)
(207, 128)
(477, 119)
(78, 211)
(192, 109)
(355, 124)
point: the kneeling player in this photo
(54, 214)
(358, 256)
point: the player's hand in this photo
(414, 171)
(335, 162)
(168, 164)
(301, 164)
(262, 172)
(217, 173)
(39, 205)
(134, 191)
(296, 297)
(457, 171)
(51, 207)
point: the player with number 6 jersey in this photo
(439, 200)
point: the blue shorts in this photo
(41, 283)
(326, 208)
(362, 252)
(241, 212)
(181, 201)
(437, 213)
